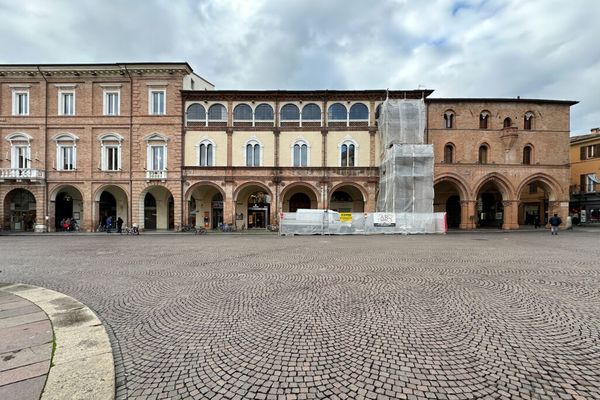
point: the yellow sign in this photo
(346, 217)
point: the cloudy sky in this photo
(467, 48)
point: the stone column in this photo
(468, 214)
(229, 147)
(228, 204)
(511, 214)
(372, 147)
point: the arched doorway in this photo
(253, 207)
(112, 201)
(68, 203)
(217, 210)
(347, 198)
(298, 196)
(149, 212)
(108, 207)
(453, 211)
(205, 205)
(158, 208)
(447, 199)
(299, 200)
(534, 198)
(20, 210)
(490, 209)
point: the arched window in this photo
(507, 122)
(290, 112)
(348, 154)
(527, 155)
(311, 112)
(483, 154)
(110, 152)
(263, 112)
(253, 154)
(448, 154)
(300, 154)
(206, 151)
(528, 121)
(217, 112)
(66, 152)
(338, 112)
(359, 111)
(242, 112)
(449, 119)
(196, 112)
(484, 119)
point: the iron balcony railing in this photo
(21, 173)
(589, 188)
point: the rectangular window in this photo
(66, 158)
(591, 180)
(157, 102)
(20, 157)
(66, 103)
(111, 103)
(20, 103)
(111, 158)
(157, 158)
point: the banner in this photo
(345, 217)
(384, 219)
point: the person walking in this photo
(119, 224)
(555, 221)
(108, 224)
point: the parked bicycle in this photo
(227, 228)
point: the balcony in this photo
(19, 174)
(581, 189)
(156, 175)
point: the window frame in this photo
(452, 148)
(529, 155)
(223, 116)
(300, 143)
(151, 159)
(281, 119)
(486, 150)
(329, 113)
(62, 95)
(106, 103)
(484, 120)
(206, 142)
(358, 119)
(60, 158)
(253, 142)
(348, 142)
(528, 121)
(449, 119)
(151, 107)
(110, 141)
(16, 103)
(16, 155)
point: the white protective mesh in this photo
(405, 201)
(327, 222)
(406, 170)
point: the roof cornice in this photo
(117, 69)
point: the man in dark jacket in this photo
(555, 221)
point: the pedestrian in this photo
(536, 221)
(555, 221)
(119, 224)
(108, 224)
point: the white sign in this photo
(384, 219)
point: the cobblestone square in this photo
(457, 316)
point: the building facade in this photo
(156, 145)
(585, 181)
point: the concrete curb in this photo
(82, 366)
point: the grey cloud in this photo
(488, 48)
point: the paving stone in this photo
(457, 316)
(24, 390)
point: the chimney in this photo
(595, 130)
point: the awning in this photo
(593, 178)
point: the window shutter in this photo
(582, 153)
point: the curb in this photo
(82, 365)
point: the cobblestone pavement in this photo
(261, 317)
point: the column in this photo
(468, 214)
(511, 214)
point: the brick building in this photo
(154, 144)
(585, 172)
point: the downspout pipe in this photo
(46, 221)
(130, 213)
